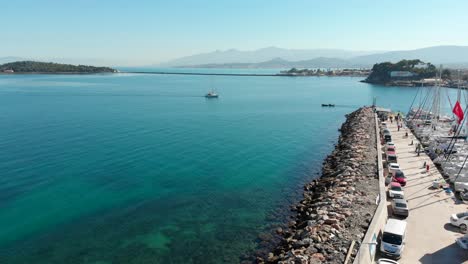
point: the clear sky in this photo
(139, 32)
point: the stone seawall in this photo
(338, 207)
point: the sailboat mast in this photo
(458, 87)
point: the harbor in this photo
(346, 213)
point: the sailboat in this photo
(211, 93)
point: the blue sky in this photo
(139, 32)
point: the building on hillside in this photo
(402, 74)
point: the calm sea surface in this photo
(130, 168)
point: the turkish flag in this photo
(458, 111)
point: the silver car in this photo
(400, 207)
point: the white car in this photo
(460, 220)
(392, 167)
(395, 191)
(386, 261)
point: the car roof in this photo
(399, 201)
(394, 164)
(395, 226)
(395, 184)
(391, 154)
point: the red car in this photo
(399, 176)
(390, 150)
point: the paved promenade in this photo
(430, 237)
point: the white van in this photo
(393, 238)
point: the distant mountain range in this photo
(261, 55)
(450, 56)
(272, 57)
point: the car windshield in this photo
(391, 238)
(399, 174)
(402, 205)
(460, 215)
(396, 188)
(390, 149)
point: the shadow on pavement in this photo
(450, 254)
(451, 228)
(427, 204)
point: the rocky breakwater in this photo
(337, 207)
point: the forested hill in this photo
(414, 69)
(49, 67)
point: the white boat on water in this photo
(211, 94)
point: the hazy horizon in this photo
(138, 33)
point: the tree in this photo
(446, 74)
(381, 72)
(34, 66)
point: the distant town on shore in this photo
(403, 73)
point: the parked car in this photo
(386, 261)
(395, 190)
(392, 167)
(390, 150)
(460, 220)
(387, 138)
(383, 124)
(400, 207)
(393, 238)
(390, 144)
(391, 158)
(399, 176)
(385, 131)
(463, 242)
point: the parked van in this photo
(393, 238)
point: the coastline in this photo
(58, 73)
(412, 84)
(339, 205)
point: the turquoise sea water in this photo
(130, 168)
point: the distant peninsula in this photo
(50, 67)
(408, 70)
(415, 73)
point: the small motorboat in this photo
(211, 95)
(328, 105)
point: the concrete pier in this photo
(430, 237)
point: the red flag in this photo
(458, 111)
